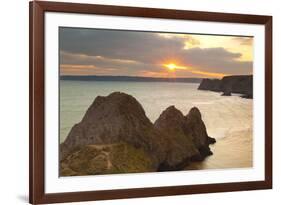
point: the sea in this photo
(229, 119)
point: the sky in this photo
(152, 54)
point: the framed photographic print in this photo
(139, 102)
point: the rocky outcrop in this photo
(116, 118)
(187, 136)
(180, 149)
(196, 128)
(226, 92)
(241, 84)
(115, 136)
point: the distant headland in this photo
(241, 84)
(128, 78)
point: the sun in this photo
(171, 66)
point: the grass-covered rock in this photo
(106, 159)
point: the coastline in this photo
(187, 96)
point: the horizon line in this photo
(70, 75)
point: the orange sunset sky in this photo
(131, 53)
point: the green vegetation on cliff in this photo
(106, 159)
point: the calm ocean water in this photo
(228, 119)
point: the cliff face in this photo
(210, 84)
(238, 84)
(242, 84)
(115, 136)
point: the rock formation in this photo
(116, 118)
(180, 143)
(187, 136)
(226, 92)
(241, 84)
(198, 132)
(115, 136)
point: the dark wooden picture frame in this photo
(37, 193)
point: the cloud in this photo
(69, 69)
(139, 46)
(188, 39)
(136, 53)
(121, 67)
(84, 59)
(245, 41)
(216, 60)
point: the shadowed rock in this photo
(180, 145)
(196, 128)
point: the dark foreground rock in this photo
(115, 136)
(241, 84)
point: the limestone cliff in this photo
(241, 84)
